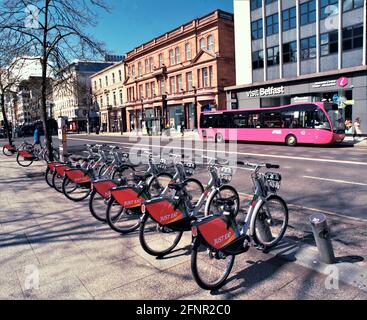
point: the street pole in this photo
(88, 114)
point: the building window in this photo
(140, 69)
(290, 52)
(353, 37)
(121, 98)
(205, 78)
(113, 78)
(189, 81)
(129, 71)
(108, 100)
(120, 75)
(146, 63)
(308, 12)
(269, 1)
(160, 58)
(352, 4)
(328, 8)
(152, 88)
(272, 24)
(133, 70)
(162, 90)
(179, 83)
(257, 29)
(211, 78)
(329, 43)
(255, 4)
(211, 43)
(114, 99)
(289, 18)
(101, 101)
(202, 44)
(100, 83)
(199, 78)
(172, 83)
(141, 91)
(178, 55)
(308, 48)
(151, 64)
(273, 56)
(188, 51)
(171, 57)
(106, 80)
(95, 85)
(147, 90)
(258, 59)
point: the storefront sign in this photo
(343, 81)
(323, 84)
(263, 92)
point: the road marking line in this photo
(337, 181)
(232, 152)
(290, 205)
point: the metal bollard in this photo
(322, 236)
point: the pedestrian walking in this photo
(357, 128)
(182, 128)
(36, 137)
(97, 130)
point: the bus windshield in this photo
(335, 116)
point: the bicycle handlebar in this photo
(258, 165)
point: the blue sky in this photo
(133, 22)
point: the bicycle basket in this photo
(272, 181)
(189, 169)
(225, 175)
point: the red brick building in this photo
(172, 78)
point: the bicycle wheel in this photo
(98, 206)
(210, 269)
(158, 183)
(48, 177)
(105, 171)
(193, 189)
(271, 222)
(23, 162)
(224, 192)
(57, 181)
(120, 219)
(124, 173)
(73, 191)
(157, 240)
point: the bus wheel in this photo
(291, 140)
(219, 138)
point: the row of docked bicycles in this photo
(164, 201)
(28, 153)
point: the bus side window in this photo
(223, 121)
(240, 120)
(287, 118)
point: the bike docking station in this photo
(322, 236)
(62, 135)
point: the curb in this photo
(307, 256)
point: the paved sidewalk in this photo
(45, 236)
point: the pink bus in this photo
(314, 123)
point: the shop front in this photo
(114, 121)
(347, 90)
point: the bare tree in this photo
(56, 31)
(10, 72)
